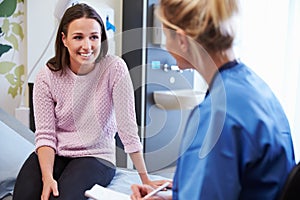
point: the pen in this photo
(166, 184)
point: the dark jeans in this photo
(73, 175)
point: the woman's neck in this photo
(221, 58)
(83, 69)
(217, 60)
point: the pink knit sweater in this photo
(78, 115)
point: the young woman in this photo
(237, 142)
(81, 99)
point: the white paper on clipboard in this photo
(99, 192)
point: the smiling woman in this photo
(82, 98)
(83, 42)
(77, 39)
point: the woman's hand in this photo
(49, 186)
(46, 159)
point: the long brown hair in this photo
(61, 60)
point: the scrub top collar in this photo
(225, 66)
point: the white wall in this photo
(41, 25)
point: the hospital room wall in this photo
(40, 22)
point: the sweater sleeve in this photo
(45, 134)
(123, 99)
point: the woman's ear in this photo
(63, 38)
(182, 40)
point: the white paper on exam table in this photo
(98, 192)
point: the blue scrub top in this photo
(237, 142)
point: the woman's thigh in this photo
(28, 185)
(81, 174)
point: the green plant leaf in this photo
(4, 48)
(5, 26)
(17, 14)
(13, 40)
(5, 67)
(7, 7)
(13, 91)
(18, 30)
(19, 71)
(11, 79)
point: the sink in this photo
(178, 99)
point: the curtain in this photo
(12, 56)
(268, 41)
(291, 97)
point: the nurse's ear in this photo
(182, 40)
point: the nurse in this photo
(237, 143)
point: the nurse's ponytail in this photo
(207, 21)
(221, 10)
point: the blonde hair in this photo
(206, 21)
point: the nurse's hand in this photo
(157, 183)
(139, 191)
